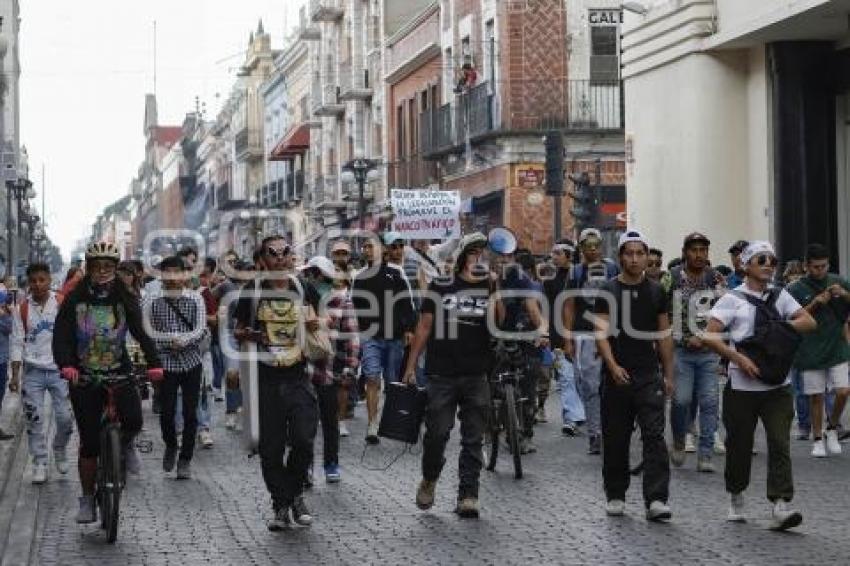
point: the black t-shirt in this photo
(590, 278)
(641, 305)
(460, 342)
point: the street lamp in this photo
(20, 189)
(360, 171)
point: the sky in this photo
(85, 69)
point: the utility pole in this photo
(554, 143)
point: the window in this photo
(604, 59)
(490, 52)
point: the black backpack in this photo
(774, 342)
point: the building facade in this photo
(736, 116)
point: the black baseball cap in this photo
(696, 237)
(738, 247)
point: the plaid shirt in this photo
(340, 320)
(168, 327)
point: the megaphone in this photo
(502, 241)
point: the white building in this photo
(736, 123)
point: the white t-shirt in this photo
(739, 319)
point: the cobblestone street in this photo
(554, 515)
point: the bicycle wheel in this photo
(512, 428)
(493, 427)
(111, 458)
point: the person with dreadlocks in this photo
(90, 339)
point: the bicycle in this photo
(506, 406)
(111, 472)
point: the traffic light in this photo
(554, 163)
(584, 208)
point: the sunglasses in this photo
(766, 260)
(277, 252)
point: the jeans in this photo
(572, 409)
(217, 365)
(588, 371)
(741, 412)
(189, 383)
(288, 416)
(696, 373)
(329, 415)
(642, 400)
(382, 357)
(37, 383)
(471, 394)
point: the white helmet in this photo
(103, 250)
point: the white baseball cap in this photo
(759, 247)
(588, 233)
(632, 236)
(323, 264)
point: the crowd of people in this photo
(619, 336)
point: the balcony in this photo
(326, 10)
(306, 30)
(325, 99)
(588, 106)
(354, 82)
(248, 145)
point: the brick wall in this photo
(533, 62)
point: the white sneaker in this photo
(372, 433)
(658, 511)
(206, 439)
(615, 508)
(230, 421)
(819, 449)
(60, 458)
(343, 430)
(719, 445)
(690, 447)
(736, 509)
(784, 518)
(832, 444)
(39, 473)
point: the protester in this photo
(747, 398)
(5, 333)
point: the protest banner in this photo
(426, 214)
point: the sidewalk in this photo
(11, 464)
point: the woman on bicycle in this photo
(90, 340)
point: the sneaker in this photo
(39, 473)
(832, 445)
(300, 514)
(819, 449)
(540, 417)
(844, 435)
(658, 511)
(206, 439)
(467, 507)
(569, 429)
(690, 447)
(184, 470)
(343, 430)
(230, 421)
(169, 458)
(132, 462)
(594, 445)
(615, 508)
(281, 520)
(704, 464)
(425, 494)
(678, 455)
(60, 459)
(784, 518)
(332, 473)
(219, 396)
(6, 435)
(526, 446)
(736, 509)
(372, 434)
(88, 511)
(803, 434)
(719, 445)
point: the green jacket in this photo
(826, 346)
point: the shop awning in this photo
(296, 142)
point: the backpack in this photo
(774, 342)
(25, 310)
